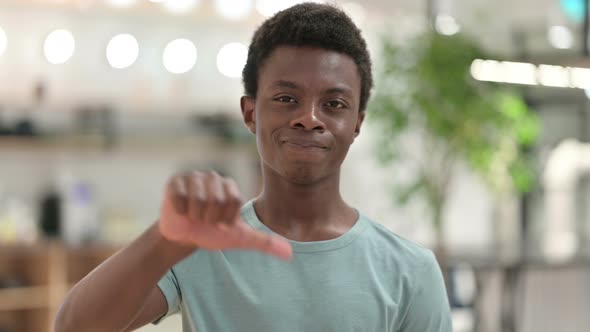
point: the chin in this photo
(303, 175)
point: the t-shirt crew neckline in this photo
(250, 216)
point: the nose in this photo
(307, 118)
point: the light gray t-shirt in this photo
(368, 280)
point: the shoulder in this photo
(397, 243)
(423, 301)
(406, 252)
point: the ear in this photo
(359, 122)
(248, 104)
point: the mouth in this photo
(304, 144)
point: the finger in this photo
(264, 242)
(215, 198)
(234, 201)
(178, 196)
(197, 203)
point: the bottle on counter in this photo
(50, 212)
(17, 222)
(81, 219)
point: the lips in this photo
(304, 143)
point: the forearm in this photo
(109, 298)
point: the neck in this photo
(304, 211)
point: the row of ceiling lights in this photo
(179, 56)
(531, 74)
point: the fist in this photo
(203, 210)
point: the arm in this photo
(199, 211)
(428, 307)
(124, 288)
(154, 309)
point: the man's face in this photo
(306, 112)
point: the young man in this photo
(307, 83)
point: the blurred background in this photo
(476, 143)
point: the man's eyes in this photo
(331, 104)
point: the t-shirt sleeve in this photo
(428, 307)
(169, 287)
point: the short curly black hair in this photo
(309, 24)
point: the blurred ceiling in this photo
(514, 30)
(494, 22)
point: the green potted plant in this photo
(426, 95)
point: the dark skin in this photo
(305, 117)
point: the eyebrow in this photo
(336, 90)
(295, 86)
(286, 84)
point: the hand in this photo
(203, 210)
